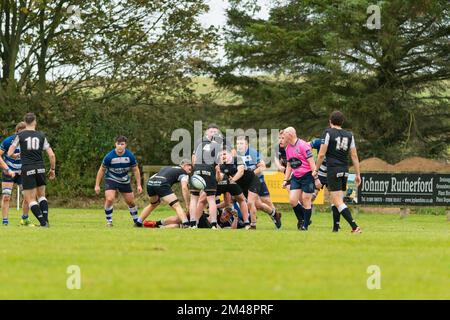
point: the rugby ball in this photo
(198, 182)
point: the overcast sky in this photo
(216, 15)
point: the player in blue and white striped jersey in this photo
(115, 168)
(15, 165)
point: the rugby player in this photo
(229, 172)
(14, 164)
(115, 167)
(336, 146)
(32, 143)
(280, 160)
(254, 162)
(228, 219)
(299, 172)
(204, 160)
(159, 187)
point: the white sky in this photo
(217, 17)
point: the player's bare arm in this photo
(52, 159)
(278, 164)
(320, 157)
(239, 173)
(137, 176)
(98, 179)
(260, 167)
(287, 175)
(355, 160)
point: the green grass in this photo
(127, 263)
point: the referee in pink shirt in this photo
(300, 165)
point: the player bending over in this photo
(115, 167)
(159, 187)
(336, 146)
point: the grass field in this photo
(127, 263)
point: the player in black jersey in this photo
(337, 144)
(229, 172)
(159, 187)
(281, 159)
(32, 143)
(204, 160)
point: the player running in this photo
(31, 144)
(300, 165)
(254, 162)
(336, 146)
(115, 167)
(159, 187)
(14, 164)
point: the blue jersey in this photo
(13, 164)
(117, 167)
(315, 144)
(251, 159)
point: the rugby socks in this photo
(34, 207)
(345, 211)
(307, 215)
(193, 223)
(336, 218)
(298, 209)
(272, 214)
(134, 213)
(108, 214)
(186, 224)
(159, 223)
(25, 216)
(43, 205)
(5, 221)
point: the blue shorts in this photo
(264, 191)
(7, 178)
(305, 183)
(121, 187)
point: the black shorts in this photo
(254, 185)
(233, 188)
(263, 190)
(121, 187)
(208, 173)
(157, 188)
(17, 179)
(33, 177)
(337, 178)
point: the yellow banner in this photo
(274, 181)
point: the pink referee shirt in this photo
(298, 155)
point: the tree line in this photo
(92, 70)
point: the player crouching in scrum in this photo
(159, 187)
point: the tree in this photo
(317, 56)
